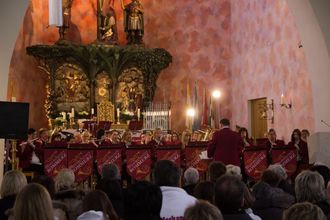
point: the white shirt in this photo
(175, 202)
(91, 215)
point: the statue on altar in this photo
(133, 22)
(107, 22)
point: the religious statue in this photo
(107, 25)
(133, 22)
(66, 7)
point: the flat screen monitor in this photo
(14, 120)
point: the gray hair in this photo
(64, 179)
(110, 172)
(304, 211)
(234, 170)
(191, 176)
(309, 187)
(279, 170)
(12, 183)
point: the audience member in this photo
(324, 171)
(110, 184)
(97, 206)
(270, 200)
(191, 178)
(175, 200)
(216, 169)
(284, 182)
(12, 183)
(234, 170)
(229, 197)
(203, 210)
(248, 203)
(205, 191)
(143, 200)
(304, 211)
(65, 193)
(33, 203)
(309, 187)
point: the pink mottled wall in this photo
(266, 62)
(196, 33)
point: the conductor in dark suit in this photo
(226, 145)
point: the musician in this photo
(86, 138)
(304, 135)
(114, 137)
(157, 138)
(301, 146)
(127, 138)
(175, 139)
(31, 152)
(272, 140)
(247, 142)
(226, 145)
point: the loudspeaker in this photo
(14, 120)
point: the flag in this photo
(196, 122)
(205, 111)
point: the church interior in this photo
(175, 66)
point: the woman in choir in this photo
(304, 135)
(245, 137)
(296, 142)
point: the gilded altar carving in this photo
(103, 85)
(71, 88)
(105, 111)
(130, 91)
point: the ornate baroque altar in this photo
(81, 76)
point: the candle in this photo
(72, 112)
(64, 115)
(282, 99)
(13, 99)
(55, 9)
(138, 113)
(92, 111)
(118, 113)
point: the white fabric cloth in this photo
(35, 159)
(252, 216)
(175, 202)
(91, 215)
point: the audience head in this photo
(309, 187)
(98, 201)
(64, 179)
(224, 122)
(205, 191)
(33, 203)
(12, 183)
(229, 194)
(244, 133)
(234, 170)
(296, 135)
(143, 200)
(279, 170)
(270, 177)
(191, 176)
(46, 182)
(304, 211)
(216, 169)
(203, 210)
(110, 172)
(166, 173)
(272, 135)
(324, 171)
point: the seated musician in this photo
(304, 135)
(127, 138)
(114, 137)
(167, 139)
(56, 137)
(272, 140)
(247, 142)
(157, 138)
(77, 138)
(86, 138)
(301, 146)
(175, 138)
(146, 138)
(31, 152)
(194, 137)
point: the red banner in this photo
(55, 160)
(81, 162)
(107, 156)
(287, 158)
(255, 162)
(193, 159)
(138, 163)
(169, 154)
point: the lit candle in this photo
(282, 99)
(139, 113)
(72, 112)
(118, 113)
(92, 111)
